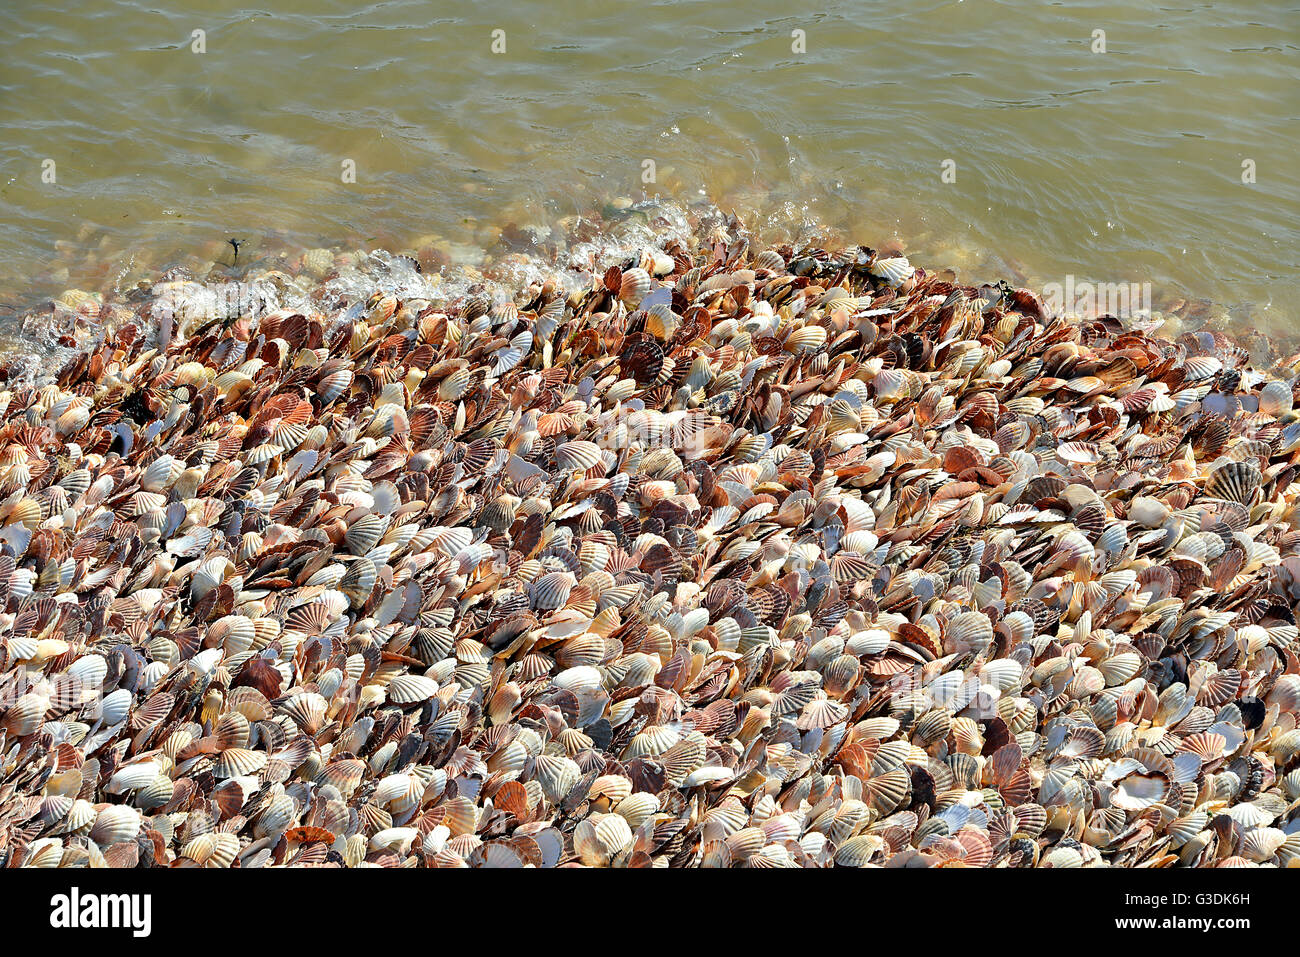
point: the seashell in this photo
(932, 726)
(334, 385)
(411, 689)
(1259, 844)
(343, 775)
(76, 483)
(894, 271)
(576, 455)
(45, 852)
(398, 793)
(309, 710)
(708, 777)
(276, 816)
(890, 385)
(858, 851)
(235, 633)
(25, 512)
(1148, 512)
(1138, 791)
(552, 590)
(25, 715)
(1275, 399)
(210, 574)
(156, 793)
(585, 649)
(598, 841)
(653, 740)
(114, 824)
(557, 776)
(359, 581)
(1120, 669)
(804, 557)
(841, 675)
(364, 534)
(807, 339)
(1234, 482)
(968, 631)
(238, 762)
(637, 808)
(161, 474)
(454, 385)
(634, 286)
(115, 706)
(215, 849)
(1078, 453)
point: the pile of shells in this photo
(733, 557)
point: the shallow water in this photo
(1115, 167)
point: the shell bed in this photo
(776, 558)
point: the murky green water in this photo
(1122, 166)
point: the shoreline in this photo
(508, 255)
(709, 554)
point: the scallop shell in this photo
(1275, 399)
(334, 385)
(1078, 453)
(212, 850)
(114, 824)
(1138, 791)
(26, 512)
(308, 711)
(235, 633)
(598, 841)
(551, 590)
(411, 689)
(634, 286)
(209, 574)
(894, 271)
(359, 581)
(364, 534)
(238, 762)
(160, 474)
(577, 455)
(805, 557)
(968, 631)
(115, 706)
(1148, 512)
(637, 808)
(156, 793)
(1235, 482)
(25, 715)
(556, 775)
